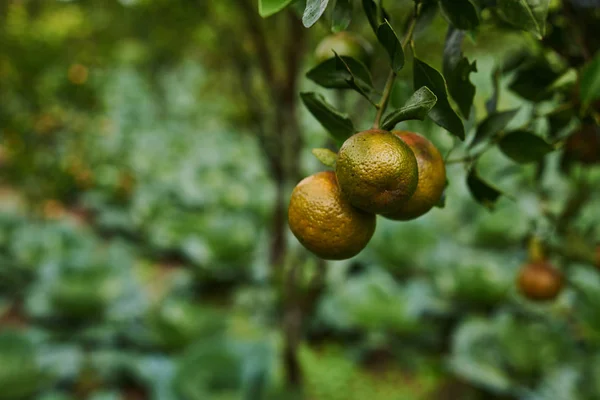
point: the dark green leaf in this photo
(389, 40)
(532, 79)
(524, 147)
(461, 13)
(482, 192)
(342, 15)
(417, 107)
(514, 60)
(565, 82)
(333, 75)
(270, 7)
(492, 104)
(559, 119)
(460, 87)
(590, 81)
(373, 16)
(353, 81)
(429, 9)
(457, 69)
(401, 92)
(442, 114)
(442, 202)
(325, 156)
(492, 125)
(313, 11)
(338, 124)
(529, 15)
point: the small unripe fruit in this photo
(540, 281)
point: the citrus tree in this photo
(401, 175)
(164, 147)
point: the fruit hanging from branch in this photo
(324, 222)
(377, 172)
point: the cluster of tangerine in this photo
(399, 175)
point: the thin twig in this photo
(384, 99)
(389, 85)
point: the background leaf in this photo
(559, 119)
(338, 124)
(269, 7)
(417, 107)
(389, 40)
(590, 81)
(532, 78)
(370, 8)
(313, 11)
(492, 125)
(491, 105)
(332, 74)
(457, 69)
(529, 15)
(461, 13)
(442, 114)
(524, 147)
(342, 15)
(429, 10)
(354, 82)
(483, 192)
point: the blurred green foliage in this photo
(134, 232)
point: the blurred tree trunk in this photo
(277, 127)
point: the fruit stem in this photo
(385, 98)
(536, 250)
(389, 85)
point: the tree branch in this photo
(259, 40)
(385, 98)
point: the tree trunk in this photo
(278, 226)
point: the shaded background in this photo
(148, 149)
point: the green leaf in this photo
(313, 11)
(342, 15)
(590, 81)
(559, 119)
(491, 105)
(528, 15)
(325, 156)
(565, 82)
(338, 124)
(442, 114)
(461, 13)
(442, 202)
(524, 147)
(389, 40)
(457, 69)
(372, 14)
(532, 79)
(401, 92)
(429, 10)
(482, 192)
(269, 7)
(492, 125)
(332, 74)
(359, 85)
(417, 107)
